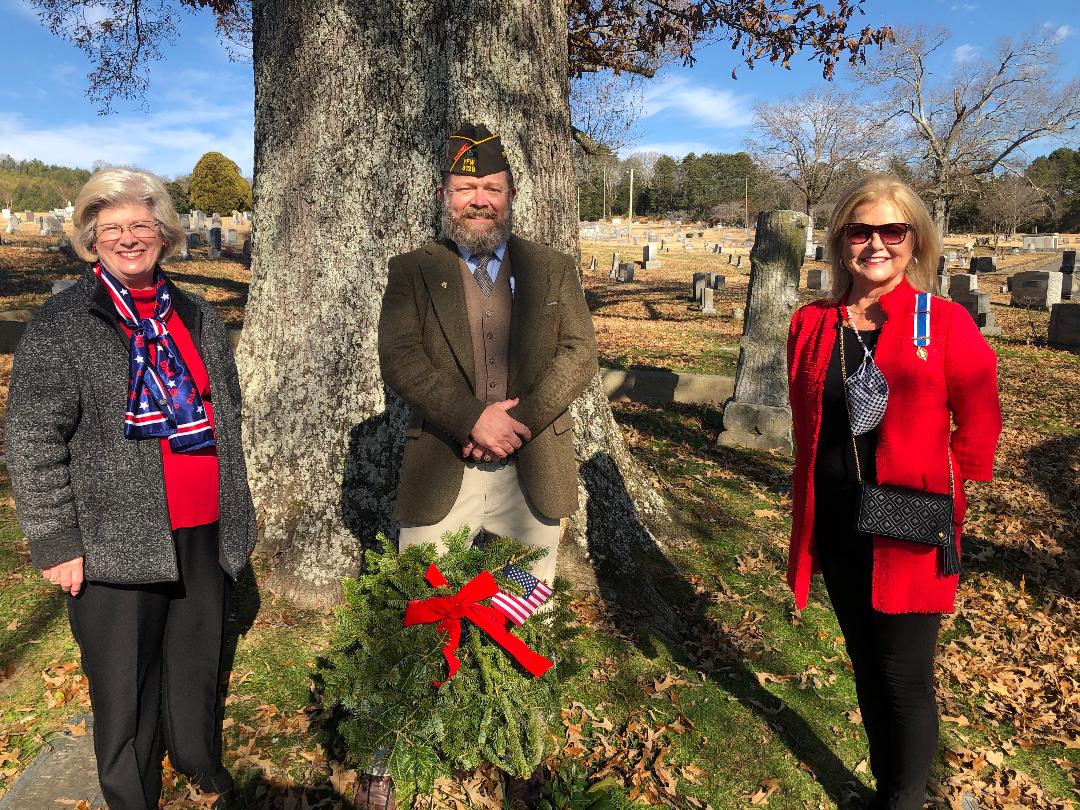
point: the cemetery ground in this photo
(742, 701)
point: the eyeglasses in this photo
(859, 233)
(140, 230)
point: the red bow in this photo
(448, 611)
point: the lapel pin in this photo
(443, 285)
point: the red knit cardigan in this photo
(958, 380)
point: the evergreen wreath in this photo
(380, 674)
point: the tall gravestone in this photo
(964, 290)
(650, 256)
(758, 415)
(616, 260)
(13, 224)
(817, 279)
(215, 243)
(50, 226)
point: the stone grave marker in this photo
(1065, 326)
(1035, 289)
(982, 264)
(245, 255)
(730, 258)
(707, 307)
(701, 281)
(716, 281)
(650, 256)
(50, 226)
(215, 221)
(193, 240)
(1042, 241)
(1068, 261)
(13, 224)
(215, 242)
(62, 284)
(738, 261)
(5, 213)
(964, 290)
(185, 221)
(820, 254)
(817, 279)
(1070, 287)
(616, 260)
(592, 265)
(626, 272)
(231, 237)
(758, 415)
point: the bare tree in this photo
(814, 141)
(604, 109)
(1011, 201)
(983, 116)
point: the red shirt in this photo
(955, 385)
(191, 479)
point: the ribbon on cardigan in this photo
(448, 611)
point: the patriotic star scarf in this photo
(163, 400)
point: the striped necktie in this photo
(480, 273)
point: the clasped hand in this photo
(496, 433)
(68, 575)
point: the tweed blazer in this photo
(426, 355)
(81, 487)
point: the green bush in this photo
(216, 186)
(380, 674)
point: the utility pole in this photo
(630, 224)
(746, 207)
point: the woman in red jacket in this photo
(940, 414)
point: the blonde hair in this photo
(114, 187)
(926, 248)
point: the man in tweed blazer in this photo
(488, 338)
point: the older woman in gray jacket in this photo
(124, 448)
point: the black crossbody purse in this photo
(902, 513)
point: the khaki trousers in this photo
(491, 499)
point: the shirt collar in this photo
(500, 251)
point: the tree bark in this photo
(353, 105)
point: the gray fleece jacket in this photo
(81, 487)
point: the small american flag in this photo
(518, 608)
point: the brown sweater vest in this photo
(489, 324)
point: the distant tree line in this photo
(30, 185)
(215, 185)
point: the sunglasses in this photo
(859, 233)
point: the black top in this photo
(834, 468)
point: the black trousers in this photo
(152, 655)
(892, 656)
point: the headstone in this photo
(62, 284)
(699, 284)
(231, 238)
(194, 240)
(817, 279)
(215, 221)
(718, 248)
(626, 272)
(5, 213)
(738, 261)
(977, 305)
(1036, 289)
(50, 226)
(1068, 261)
(730, 258)
(13, 224)
(236, 218)
(1065, 326)
(809, 252)
(687, 246)
(650, 256)
(27, 216)
(616, 260)
(245, 254)
(716, 281)
(1044, 241)
(592, 265)
(637, 240)
(707, 307)
(758, 415)
(962, 284)
(820, 254)
(215, 238)
(185, 221)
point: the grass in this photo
(745, 700)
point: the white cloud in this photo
(968, 7)
(23, 9)
(1061, 32)
(706, 106)
(964, 53)
(168, 142)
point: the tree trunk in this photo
(353, 105)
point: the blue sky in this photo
(201, 101)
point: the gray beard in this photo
(453, 228)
